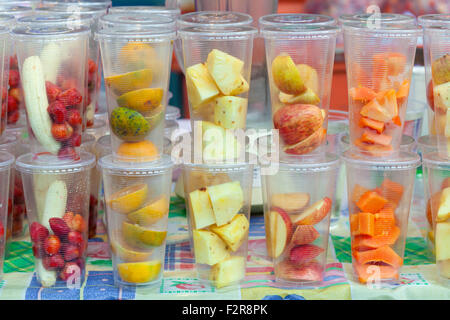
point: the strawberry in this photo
(2, 230)
(57, 111)
(13, 117)
(74, 118)
(53, 262)
(38, 250)
(4, 93)
(59, 227)
(13, 62)
(68, 217)
(13, 104)
(78, 223)
(92, 66)
(38, 232)
(14, 78)
(305, 253)
(75, 141)
(52, 244)
(61, 131)
(52, 91)
(16, 93)
(68, 153)
(70, 97)
(75, 238)
(3, 109)
(19, 209)
(71, 252)
(70, 268)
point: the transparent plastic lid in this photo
(105, 141)
(396, 161)
(171, 12)
(83, 3)
(295, 19)
(7, 20)
(25, 32)
(55, 18)
(214, 19)
(382, 22)
(7, 141)
(15, 9)
(157, 167)
(434, 161)
(440, 20)
(428, 141)
(28, 164)
(311, 163)
(6, 160)
(172, 113)
(406, 140)
(87, 139)
(220, 167)
(293, 31)
(221, 33)
(76, 8)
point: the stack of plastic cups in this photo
(379, 55)
(217, 178)
(51, 61)
(15, 100)
(136, 53)
(103, 148)
(78, 14)
(6, 162)
(436, 165)
(5, 22)
(300, 52)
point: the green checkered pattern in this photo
(416, 251)
(20, 257)
(177, 207)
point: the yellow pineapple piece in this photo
(226, 200)
(201, 208)
(226, 71)
(230, 112)
(228, 271)
(234, 232)
(209, 248)
(200, 86)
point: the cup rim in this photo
(162, 10)
(6, 160)
(391, 24)
(7, 18)
(8, 140)
(93, 8)
(87, 138)
(432, 144)
(428, 20)
(400, 160)
(219, 166)
(151, 168)
(296, 19)
(60, 18)
(294, 31)
(434, 161)
(33, 31)
(14, 9)
(326, 161)
(220, 33)
(188, 19)
(26, 164)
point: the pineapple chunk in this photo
(234, 232)
(442, 96)
(209, 248)
(228, 271)
(442, 241)
(201, 208)
(218, 144)
(230, 112)
(243, 87)
(200, 86)
(444, 268)
(225, 70)
(226, 199)
(444, 206)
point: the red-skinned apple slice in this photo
(304, 234)
(278, 231)
(304, 253)
(314, 214)
(292, 202)
(311, 271)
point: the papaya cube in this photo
(371, 202)
(357, 192)
(362, 223)
(392, 191)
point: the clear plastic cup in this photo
(6, 162)
(172, 115)
(137, 207)
(5, 49)
(218, 202)
(300, 56)
(437, 75)
(170, 12)
(380, 193)
(297, 219)
(379, 56)
(407, 144)
(437, 181)
(76, 3)
(136, 54)
(52, 68)
(103, 147)
(57, 198)
(426, 144)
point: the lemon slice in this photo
(139, 272)
(151, 212)
(128, 199)
(127, 254)
(130, 81)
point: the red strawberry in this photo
(70, 97)
(75, 237)
(61, 131)
(13, 117)
(68, 153)
(70, 268)
(304, 234)
(53, 262)
(19, 209)
(14, 78)
(75, 141)
(59, 227)
(52, 91)
(38, 232)
(57, 111)
(305, 253)
(52, 244)
(13, 104)
(2, 230)
(3, 109)
(38, 250)
(74, 118)
(68, 217)
(13, 62)
(71, 252)
(92, 66)
(78, 223)
(16, 93)
(311, 271)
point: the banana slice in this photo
(36, 103)
(51, 58)
(55, 202)
(47, 277)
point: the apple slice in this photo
(304, 234)
(279, 231)
(311, 271)
(304, 253)
(314, 214)
(290, 202)
(443, 212)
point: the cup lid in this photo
(219, 33)
(157, 167)
(104, 141)
(87, 139)
(55, 18)
(300, 31)
(430, 141)
(401, 160)
(434, 161)
(311, 163)
(92, 8)
(16, 9)
(6, 160)
(214, 19)
(439, 20)
(49, 31)
(84, 3)
(219, 167)
(172, 113)
(295, 19)
(26, 163)
(7, 19)
(404, 143)
(8, 141)
(98, 124)
(171, 12)
(382, 22)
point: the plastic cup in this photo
(52, 68)
(379, 57)
(437, 181)
(437, 75)
(6, 161)
(300, 56)
(380, 194)
(5, 49)
(103, 146)
(426, 144)
(414, 118)
(57, 198)
(136, 54)
(297, 221)
(137, 209)
(218, 202)
(161, 10)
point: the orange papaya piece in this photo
(392, 191)
(395, 63)
(445, 183)
(390, 103)
(362, 224)
(379, 66)
(397, 121)
(403, 91)
(383, 254)
(354, 224)
(368, 271)
(374, 138)
(362, 94)
(378, 126)
(357, 192)
(373, 149)
(375, 111)
(362, 242)
(371, 202)
(385, 220)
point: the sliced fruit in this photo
(378, 126)
(130, 81)
(307, 145)
(402, 92)
(443, 211)
(364, 242)
(139, 272)
(201, 208)
(128, 125)
(384, 254)
(391, 191)
(200, 85)
(309, 272)
(442, 96)
(445, 183)
(200, 179)
(234, 233)
(309, 76)
(363, 223)
(218, 144)
(286, 76)
(375, 111)
(304, 253)
(127, 254)
(242, 88)
(440, 70)
(226, 200)
(128, 199)
(362, 94)
(374, 138)
(304, 234)
(228, 271)
(230, 112)
(375, 150)
(395, 63)
(278, 232)
(209, 248)
(142, 238)
(142, 100)
(442, 235)
(151, 212)
(385, 220)
(307, 97)
(357, 192)
(225, 70)
(375, 272)
(156, 116)
(139, 55)
(142, 151)
(371, 202)
(290, 202)
(313, 214)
